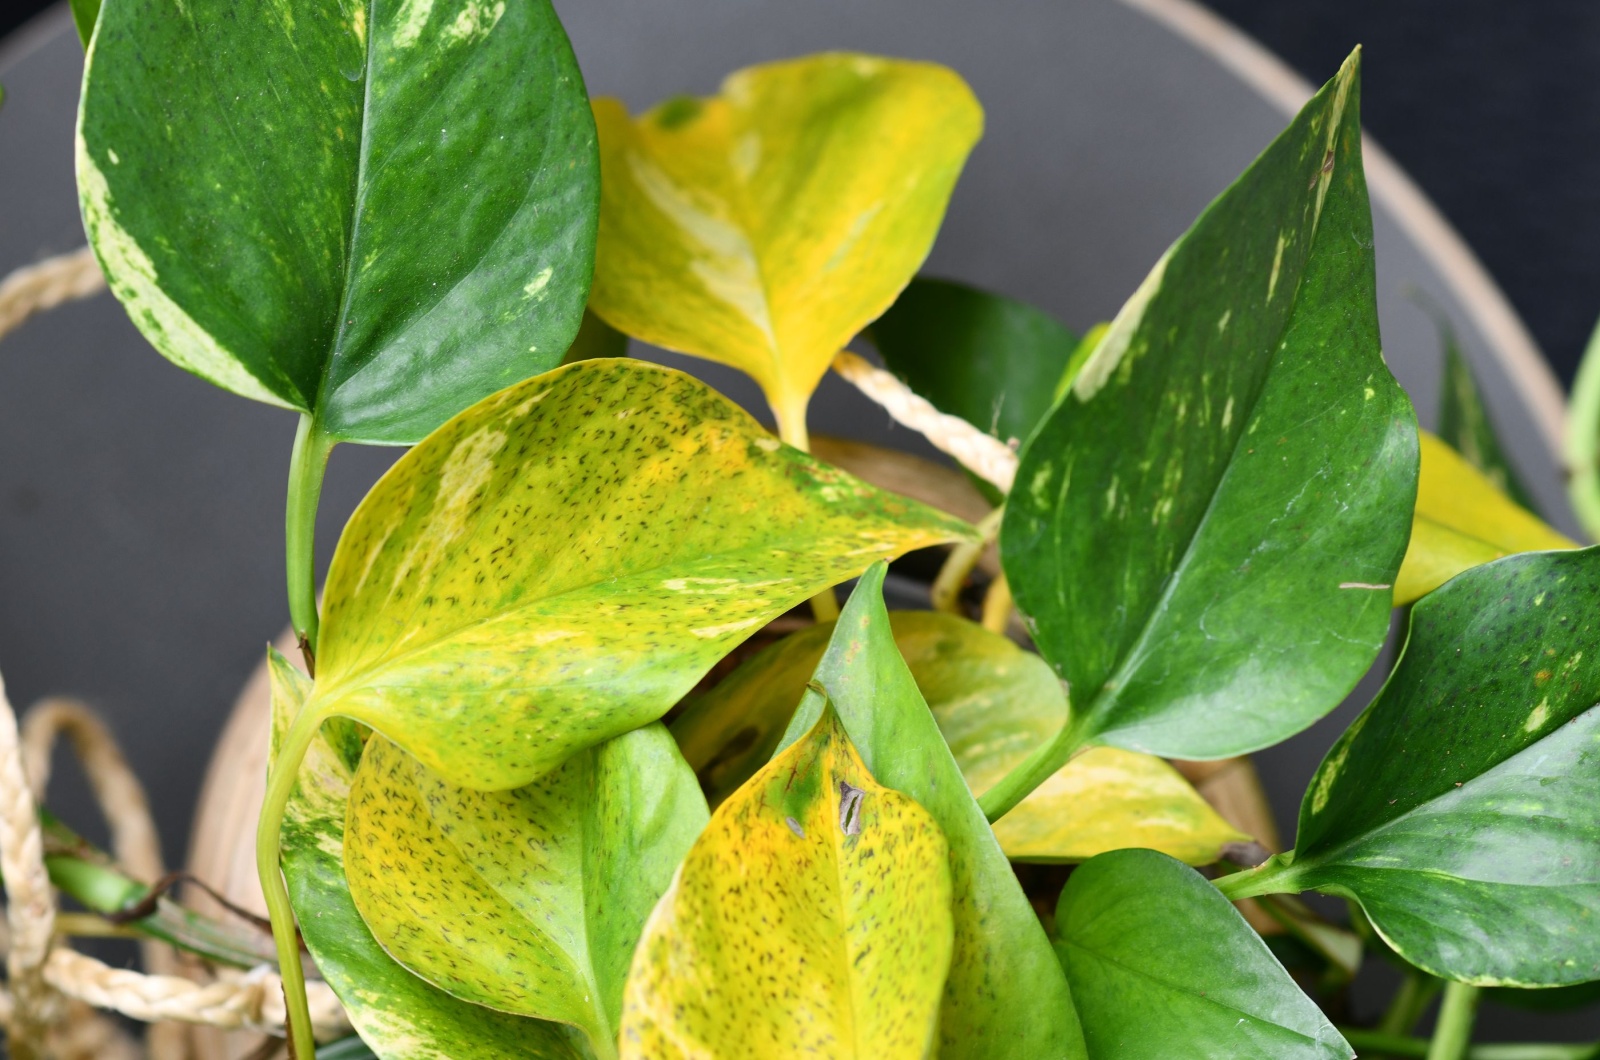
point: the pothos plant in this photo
(409, 223)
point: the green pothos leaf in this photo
(376, 213)
(1205, 529)
(398, 1015)
(1460, 809)
(1163, 967)
(1006, 995)
(84, 14)
(528, 901)
(562, 562)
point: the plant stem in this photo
(88, 875)
(791, 418)
(1416, 993)
(307, 463)
(958, 566)
(280, 785)
(1453, 1033)
(1273, 876)
(997, 605)
(1033, 771)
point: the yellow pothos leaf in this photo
(527, 901)
(765, 226)
(994, 703)
(1462, 520)
(811, 918)
(561, 562)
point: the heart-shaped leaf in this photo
(1465, 425)
(527, 901)
(993, 703)
(374, 213)
(1461, 809)
(562, 562)
(1206, 528)
(765, 226)
(991, 360)
(811, 918)
(1006, 996)
(1462, 520)
(398, 1015)
(1163, 967)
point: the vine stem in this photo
(1457, 1013)
(791, 416)
(1276, 875)
(1034, 770)
(307, 465)
(280, 785)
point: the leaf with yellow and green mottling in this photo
(527, 901)
(1006, 996)
(994, 703)
(562, 562)
(398, 1015)
(375, 213)
(1463, 520)
(765, 226)
(811, 918)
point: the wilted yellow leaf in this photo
(811, 918)
(765, 226)
(1462, 520)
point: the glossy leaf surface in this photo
(991, 360)
(562, 562)
(527, 901)
(993, 703)
(1206, 528)
(765, 226)
(400, 1016)
(811, 918)
(1461, 808)
(1006, 996)
(1164, 968)
(1465, 426)
(1462, 519)
(378, 213)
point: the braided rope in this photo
(983, 454)
(252, 1002)
(38, 1019)
(122, 802)
(30, 904)
(116, 789)
(36, 288)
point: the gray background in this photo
(141, 509)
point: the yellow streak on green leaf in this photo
(799, 924)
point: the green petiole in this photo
(280, 785)
(307, 464)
